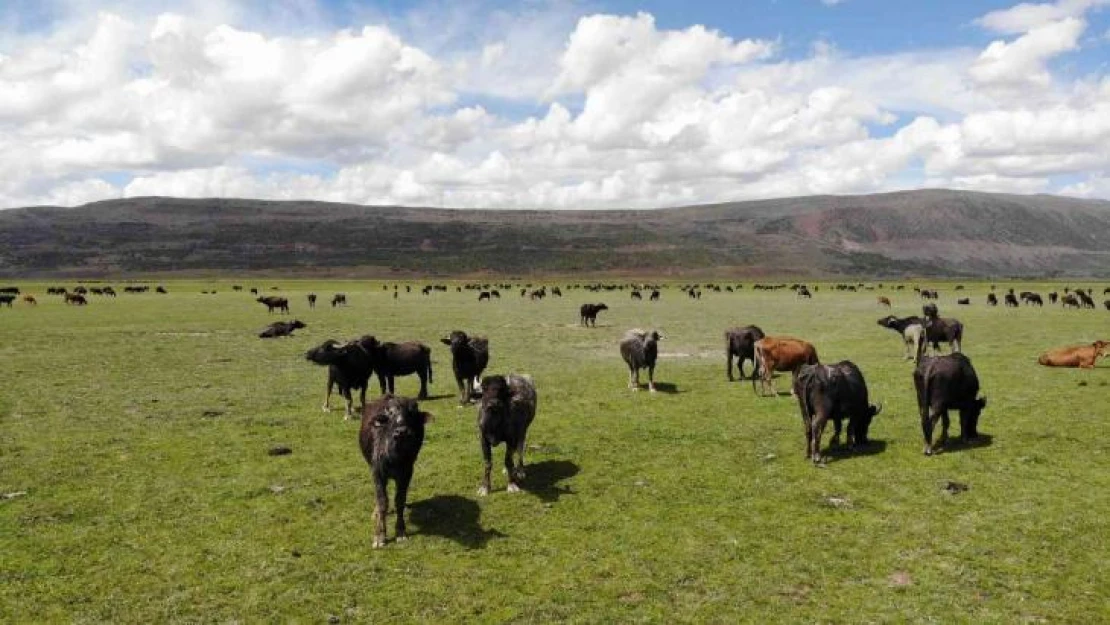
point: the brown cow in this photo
(780, 353)
(884, 301)
(30, 299)
(1083, 356)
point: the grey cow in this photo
(639, 349)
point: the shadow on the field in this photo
(441, 396)
(542, 479)
(843, 452)
(669, 388)
(955, 443)
(453, 517)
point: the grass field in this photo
(138, 429)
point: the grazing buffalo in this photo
(483, 295)
(349, 368)
(946, 383)
(507, 408)
(6, 299)
(339, 299)
(391, 435)
(654, 296)
(639, 349)
(941, 330)
(780, 353)
(1011, 300)
(1052, 297)
(1085, 299)
(1069, 301)
(30, 299)
(963, 301)
(1082, 356)
(834, 392)
(280, 328)
(399, 359)
(740, 343)
(912, 331)
(884, 301)
(161, 290)
(312, 300)
(76, 299)
(469, 357)
(992, 299)
(1106, 303)
(636, 295)
(588, 313)
(273, 302)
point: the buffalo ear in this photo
(427, 417)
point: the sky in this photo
(554, 104)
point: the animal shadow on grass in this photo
(453, 517)
(440, 396)
(955, 443)
(843, 452)
(543, 479)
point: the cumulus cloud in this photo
(536, 108)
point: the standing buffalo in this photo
(946, 383)
(339, 299)
(588, 313)
(640, 350)
(391, 435)
(272, 302)
(834, 392)
(7, 299)
(312, 300)
(469, 357)
(399, 359)
(941, 330)
(992, 299)
(349, 368)
(740, 342)
(507, 408)
(75, 298)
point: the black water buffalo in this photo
(1084, 299)
(391, 435)
(588, 313)
(312, 300)
(992, 299)
(76, 299)
(7, 299)
(636, 295)
(483, 295)
(941, 330)
(469, 357)
(654, 296)
(946, 383)
(280, 328)
(1052, 297)
(1069, 301)
(1011, 300)
(273, 302)
(349, 368)
(507, 408)
(339, 299)
(833, 392)
(639, 349)
(399, 359)
(740, 342)
(1106, 303)
(963, 301)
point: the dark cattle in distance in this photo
(834, 392)
(280, 328)
(484, 295)
(884, 301)
(349, 368)
(636, 295)
(588, 313)
(30, 299)
(1011, 300)
(1106, 303)
(469, 357)
(312, 300)
(11, 290)
(992, 299)
(740, 343)
(640, 349)
(272, 302)
(1069, 301)
(161, 289)
(6, 299)
(339, 299)
(654, 296)
(1085, 299)
(76, 299)
(946, 383)
(390, 437)
(1052, 297)
(507, 408)
(963, 301)
(495, 294)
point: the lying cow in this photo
(639, 349)
(912, 331)
(391, 435)
(780, 353)
(280, 328)
(946, 383)
(469, 357)
(834, 392)
(740, 342)
(1082, 356)
(588, 313)
(349, 368)
(507, 408)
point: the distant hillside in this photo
(913, 233)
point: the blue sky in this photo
(550, 103)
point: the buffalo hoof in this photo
(379, 542)
(928, 450)
(483, 491)
(513, 488)
(635, 389)
(401, 538)
(326, 408)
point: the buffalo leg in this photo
(464, 395)
(423, 386)
(945, 423)
(399, 498)
(651, 378)
(819, 421)
(327, 396)
(929, 418)
(487, 459)
(346, 393)
(728, 366)
(381, 506)
(837, 427)
(634, 378)
(509, 470)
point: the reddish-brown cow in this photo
(781, 353)
(1083, 356)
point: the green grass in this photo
(690, 506)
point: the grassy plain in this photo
(139, 428)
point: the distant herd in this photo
(392, 427)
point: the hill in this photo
(903, 234)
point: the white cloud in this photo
(603, 110)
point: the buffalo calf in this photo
(640, 350)
(469, 357)
(507, 408)
(391, 435)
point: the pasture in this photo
(137, 431)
